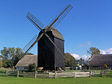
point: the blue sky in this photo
(88, 24)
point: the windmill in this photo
(50, 42)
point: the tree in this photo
(93, 51)
(31, 67)
(17, 54)
(69, 60)
(5, 57)
(10, 56)
(0, 63)
(105, 66)
(81, 61)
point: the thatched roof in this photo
(26, 60)
(55, 33)
(100, 60)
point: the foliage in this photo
(93, 51)
(31, 67)
(69, 60)
(10, 56)
(0, 63)
(105, 66)
(29, 54)
(81, 61)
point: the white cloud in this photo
(85, 57)
(76, 56)
(102, 52)
(107, 51)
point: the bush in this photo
(0, 63)
(31, 67)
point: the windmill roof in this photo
(100, 60)
(26, 60)
(56, 33)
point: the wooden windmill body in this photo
(50, 42)
(48, 56)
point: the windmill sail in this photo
(35, 21)
(32, 43)
(27, 47)
(60, 17)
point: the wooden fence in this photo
(28, 74)
(70, 74)
(104, 72)
(46, 75)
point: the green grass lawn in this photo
(107, 79)
(92, 80)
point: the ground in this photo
(97, 79)
(92, 80)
